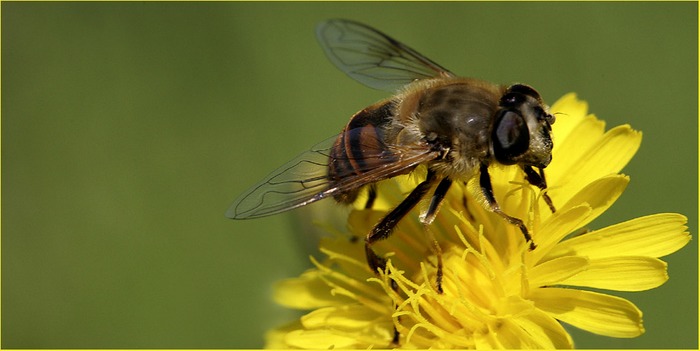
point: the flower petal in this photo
(308, 291)
(569, 150)
(510, 336)
(557, 227)
(605, 156)
(275, 338)
(556, 271)
(612, 153)
(654, 236)
(599, 195)
(631, 273)
(546, 331)
(322, 339)
(597, 313)
(345, 326)
(569, 111)
(347, 317)
(526, 328)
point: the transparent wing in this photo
(373, 58)
(304, 179)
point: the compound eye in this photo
(511, 137)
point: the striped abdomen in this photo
(359, 149)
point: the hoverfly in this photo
(455, 126)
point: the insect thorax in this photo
(455, 114)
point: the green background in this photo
(128, 128)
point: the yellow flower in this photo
(497, 293)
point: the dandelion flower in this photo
(497, 292)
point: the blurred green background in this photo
(128, 128)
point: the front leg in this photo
(487, 190)
(539, 181)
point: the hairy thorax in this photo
(453, 114)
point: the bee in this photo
(454, 126)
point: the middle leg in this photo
(387, 224)
(428, 218)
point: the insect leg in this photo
(371, 196)
(383, 229)
(539, 181)
(487, 190)
(428, 218)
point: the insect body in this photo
(455, 126)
